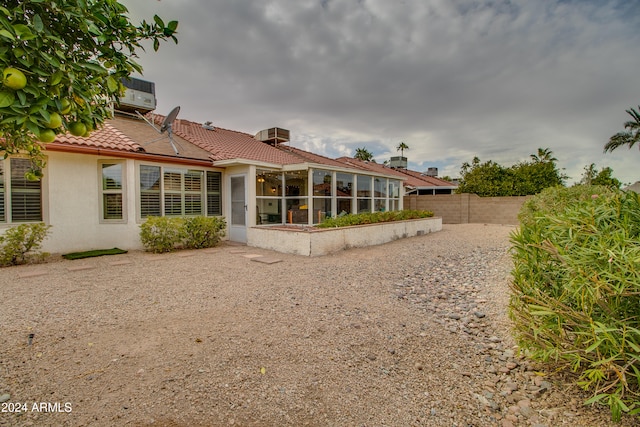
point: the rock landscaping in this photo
(409, 333)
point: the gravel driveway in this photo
(410, 333)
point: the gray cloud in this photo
(453, 79)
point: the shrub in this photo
(21, 244)
(161, 234)
(373, 218)
(203, 232)
(576, 290)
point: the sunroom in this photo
(308, 196)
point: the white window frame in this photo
(7, 192)
(122, 191)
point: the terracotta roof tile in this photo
(413, 178)
(107, 137)
(226, 144)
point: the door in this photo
(238, 226)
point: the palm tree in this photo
(363, 154)
(544, 155)
(401, 147)
(628, 137)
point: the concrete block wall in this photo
(469, 208)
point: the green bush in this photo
(373, 218)
(576, 290)
(21, 244)
(161, 234)
(203, 232)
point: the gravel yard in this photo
(410, 333)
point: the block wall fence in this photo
(469, 208)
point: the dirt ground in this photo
(410, 333)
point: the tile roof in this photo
(225, 144)
(108, 137)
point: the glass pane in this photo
(172, 181)
(380, 205)
(149, 204)
(322, 183)
(112, 176)
(380, 187)
(18, 168)
(344, 184)
(269, 211)
(296, 183)
(344, 206)
(149, 177)
(193, 181)
(297, 211)
(321, 209)
(364, 205)
(394, 188)
(193, 204)
(268, 183)
(173, 204)
(364, 186)
(214, 197)
(112, 206)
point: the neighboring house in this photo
(96, 191)
(635, 187)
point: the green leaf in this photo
(6, 98)
(56, 78)
(7, 34)
(112, 84)
(596, 399)
(37, 23)
(158, 20)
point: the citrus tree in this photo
(62, 62)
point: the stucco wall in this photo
(73, 206)
(469, 208)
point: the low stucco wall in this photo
(317, 242)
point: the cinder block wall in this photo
(469, 208)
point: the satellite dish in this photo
(165, 127)
(168, 121)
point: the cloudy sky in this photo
(453, 79)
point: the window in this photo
(20, 199)
(322, 195)
(112, 188)
(268, 197)
(214, 193)
(344, 193)
(364, 193)
(179, 192)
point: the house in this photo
(96, 191)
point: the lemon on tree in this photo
(47, 135)
(65, 106)
(55, 121)
(13, 78)
(77, 128)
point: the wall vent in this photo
(273, 136)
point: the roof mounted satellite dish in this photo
(166, 126)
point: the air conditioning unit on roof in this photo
(140, 95)
(273, 136)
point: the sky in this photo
(452, 79)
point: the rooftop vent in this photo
(208, 126)
(273, 136)
(140, 95)
(398, 162)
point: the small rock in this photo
(418, 366)
(4, 397)
(479, 314)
